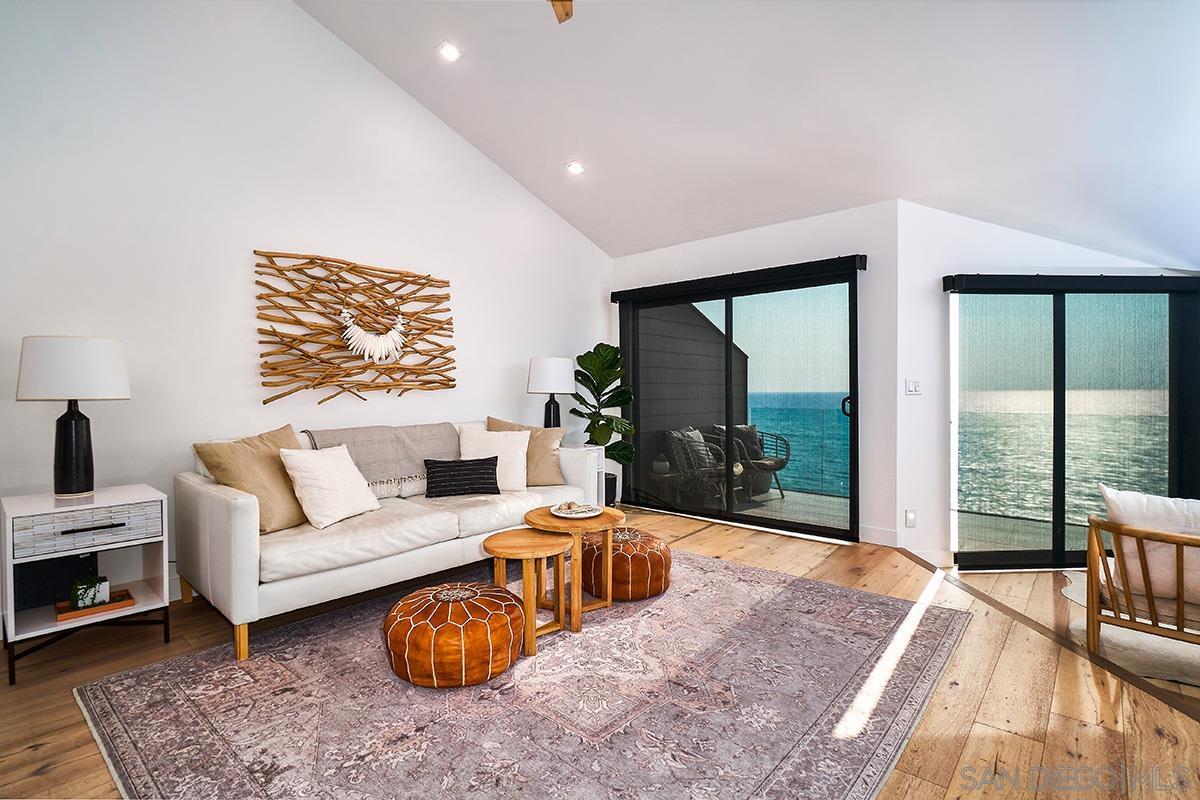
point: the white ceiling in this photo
(1075, 120)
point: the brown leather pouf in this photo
(641, 565)
(456, 634)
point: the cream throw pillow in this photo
(253, 465)
(329, 486)
(1166, 514)
(542, 460)
(511, 449)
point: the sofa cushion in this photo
(397, 527)
(392, 458)
(484, 513)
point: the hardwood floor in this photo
(1038, 595)
(1011, 699)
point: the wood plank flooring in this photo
(1011, 699)
(1038, 595)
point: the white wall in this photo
(869, 230)
(148, 147)
(933, 244)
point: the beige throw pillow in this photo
(542, 460)
(510, 449)
(328, 485)
(253, 465)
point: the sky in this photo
(1114, 341)
(796, 341)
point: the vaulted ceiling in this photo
(1075, 120)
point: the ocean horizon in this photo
(1117, 437)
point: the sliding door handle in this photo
(846, 406)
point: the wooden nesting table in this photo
(609, 518)
(530, 547)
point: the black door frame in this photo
(1183, 392)
(843, 269)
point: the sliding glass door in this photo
(1061, 385)
(679, 381)
(744, 399)
(1117, 403)
(796, 345)
(1005, 424)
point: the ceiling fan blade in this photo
(562, 9)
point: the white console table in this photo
(40, 527)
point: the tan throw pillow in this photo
(542, 469)
(253, 465)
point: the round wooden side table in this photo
(530, 547)
(605, 521)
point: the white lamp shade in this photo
(551, 376)
(72, 368)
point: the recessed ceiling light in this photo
(449, 51)
(574, 167)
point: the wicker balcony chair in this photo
(1144, 588)
(699, 467)
(771, 455)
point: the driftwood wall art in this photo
(350, 328)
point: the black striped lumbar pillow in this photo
(466, 476)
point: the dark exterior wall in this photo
(681, 380)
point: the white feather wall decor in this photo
(349, 329)
(375, 347)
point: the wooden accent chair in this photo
(1144, 589)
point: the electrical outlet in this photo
(910, 518)
(912, 386)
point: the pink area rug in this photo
(737, 683)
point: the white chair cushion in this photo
(1165, 514)
(397, 527)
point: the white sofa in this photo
(247, 576)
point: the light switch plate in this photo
(912, 386)
(910, 518)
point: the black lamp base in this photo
(552, 419)
(73, 470)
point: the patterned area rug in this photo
(737, 683)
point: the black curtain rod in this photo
(1084, 284)
(749, 282)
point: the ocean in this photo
(819, 435)
(1004, 447)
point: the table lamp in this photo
(72, 368)
(551, 376)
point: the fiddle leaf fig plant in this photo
(599, 375)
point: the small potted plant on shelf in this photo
(89, 592)
(599, 376)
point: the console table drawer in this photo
(63, 531)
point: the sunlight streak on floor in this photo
(856, 717)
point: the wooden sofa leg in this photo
(241, 641)
(185, 590)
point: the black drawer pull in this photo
(107, 527)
